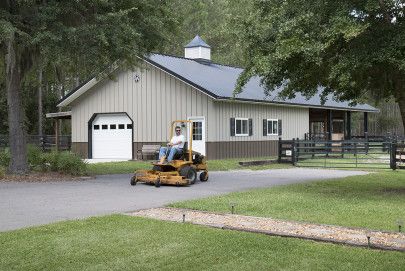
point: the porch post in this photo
(330, 118)
(57, 134)
(365, 125)
(348, 125)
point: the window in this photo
(96, 127)
(129, 126)
(104, 126)
(272, 127)
(113, 126)
(241, 127)
(197, 130)
(121, 126)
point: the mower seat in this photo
(181, 155)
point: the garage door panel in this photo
(112, 143)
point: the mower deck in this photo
(158, 178)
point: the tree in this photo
(81, 37)
(353, 48)
(214, 21)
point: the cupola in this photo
(198, 49)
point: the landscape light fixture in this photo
(232, 205)
(368, 235)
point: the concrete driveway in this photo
(28, 204)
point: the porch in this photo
(328, 124)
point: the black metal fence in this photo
(45, 142)
(355, 153)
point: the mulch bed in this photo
(318, 232)
(43, 177)
(257, 163)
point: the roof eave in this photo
(242, 100)
(73, 95)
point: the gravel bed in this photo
(279, 227)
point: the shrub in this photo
(2, 172)
(34, 156)
(49, 161)
(4, 158)
(63, 162)
(70, 163)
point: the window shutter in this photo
(280, 127)
(232, 126)
(264, 127)
(250, 127)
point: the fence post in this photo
(366, 141)
(280, 150)
(393, 156)
(293, 152)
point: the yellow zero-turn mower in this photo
(181, 171)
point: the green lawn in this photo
(213, 165)
(121, 242)
(373, 201)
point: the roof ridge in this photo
(182, 57)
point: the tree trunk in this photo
(17, 138)
(40, 107)
(401, 103)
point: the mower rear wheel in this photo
(189, 173)
(204, 176)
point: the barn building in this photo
(115, 118)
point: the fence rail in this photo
(355, 153)
(46, 142)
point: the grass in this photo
(121, 242)
(373, 201)
(213, 165)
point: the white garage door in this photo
(112, 136)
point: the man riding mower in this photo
(182, 163)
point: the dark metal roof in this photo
(219, 82)
(197, 42)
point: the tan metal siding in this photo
(153, 102)
(295, 120)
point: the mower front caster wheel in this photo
(157, 183)
(204, 176)
(133, 180)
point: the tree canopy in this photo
(352, 48)
(73, 38)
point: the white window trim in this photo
(271, 134)
(247, 125)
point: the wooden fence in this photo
(46, 142)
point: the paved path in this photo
(280, 227)
(27, 204)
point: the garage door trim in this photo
(90, 132)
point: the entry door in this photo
(198, 134)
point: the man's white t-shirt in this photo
(176, 139)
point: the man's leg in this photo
(173, 151)
(162, 152)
